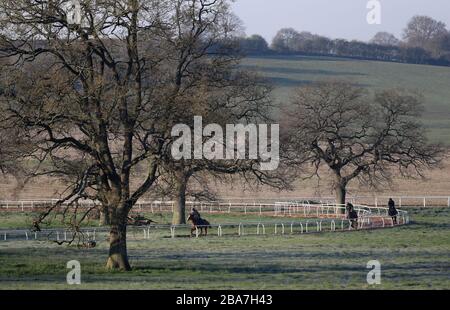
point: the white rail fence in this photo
(318, 218)
(236, 205)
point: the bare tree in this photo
(97, 92)
(243, 98)
(424, 32)
(286, 40)
(385, 39)
(357, 136)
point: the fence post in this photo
(448, 202)
(424, 202)
(4, 237)
(241, 229)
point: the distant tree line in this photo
(424, 41)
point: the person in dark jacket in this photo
(392, 211)
(352, 215)
(195, 214)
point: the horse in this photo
(198, 223)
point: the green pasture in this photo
(433, 82)
(412, 257)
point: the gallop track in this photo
(277, 218)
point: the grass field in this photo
(412, 257)
(433, 82)
(20, 220)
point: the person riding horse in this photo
(198, 223)
(195, 213)
(352, 215)
(392, 211)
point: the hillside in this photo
(288, 72)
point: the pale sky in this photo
(334, 18)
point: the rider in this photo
(392, 211)
(352, 215)
(195, 213)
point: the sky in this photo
(346, 19)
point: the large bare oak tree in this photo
(96, 90)
(357, 135)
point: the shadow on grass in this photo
(299, 71)
(300, 58)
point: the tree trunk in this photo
(340, 189)
(118, 257)
(179, 210)
(105, 219)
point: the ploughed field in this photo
(412, 257)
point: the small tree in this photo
(385, 39)
(357, 136)
(254, 44)
(286, 40)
